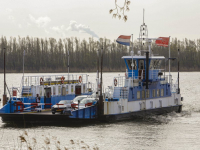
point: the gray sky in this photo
(87, 18)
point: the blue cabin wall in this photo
(153, 74)
(135, 71)
(153, 86)
(130, 70)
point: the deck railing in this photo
(54, 79)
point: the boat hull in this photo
(49, 117)
(144, 113)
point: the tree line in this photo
(51, 55)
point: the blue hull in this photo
(89, 113)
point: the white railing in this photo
(36, 80)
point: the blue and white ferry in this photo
(145, 89)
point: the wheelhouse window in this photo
(130, 64)
(138, 94)
(162, 92)
(141, 64)
(155, 64)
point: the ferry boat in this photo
(50, 89)
(145, 89)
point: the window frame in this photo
(158, 93)
(138, 94)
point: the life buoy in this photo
(62, 79)
(41, 81)
(115, 82)
(80, 79)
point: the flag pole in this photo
(169, 59)
(132, 56)
(23, 66)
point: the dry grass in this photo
(30, 142)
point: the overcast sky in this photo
(87, 18)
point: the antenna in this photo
(143, 17)
(143, 35)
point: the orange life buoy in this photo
(62, 79)
(115, 82)
(41, 81)
(80, 79)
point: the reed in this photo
(26, 141)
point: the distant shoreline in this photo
(14, 71)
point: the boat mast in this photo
(68, 65)
(178, 73)
(169, 60)
(143, 35)
(132, 56)
(4, 72)
(97, 92)
(101, 105)
(23, 67)
(4, 94)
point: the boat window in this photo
(158, 93)
(141, 64)
(162, 92)
(154, 93)
(59, 90)
(72, 89)
(67, 89)
(147, 93)
(41, 91)
(138, 94)
(54, 90)
(134, 64)
(155, 64)
(143, 94)
(84, 88)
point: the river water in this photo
(167, 132)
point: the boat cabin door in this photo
(47, 97)
(141, 70)
(77, 90)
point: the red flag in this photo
(163, 42)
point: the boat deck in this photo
(47, 116)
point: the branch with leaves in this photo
(122, 9)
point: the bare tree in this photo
(122, 9)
